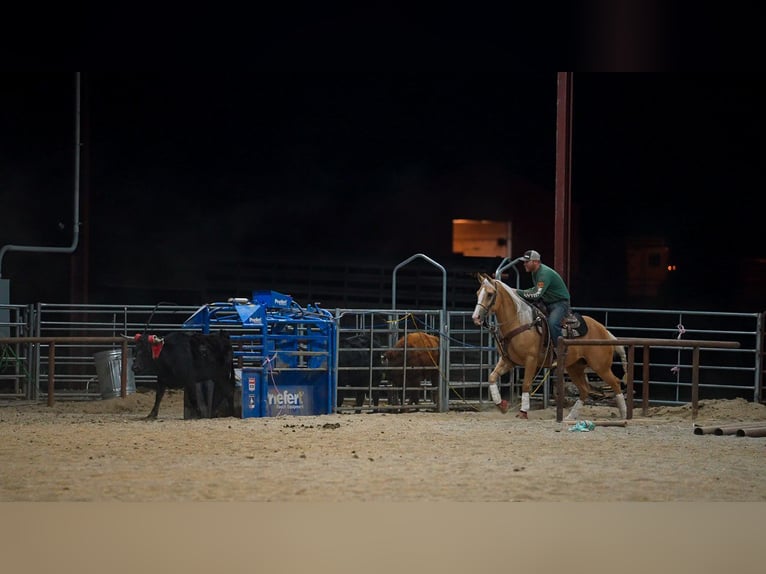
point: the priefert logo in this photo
(285, 399)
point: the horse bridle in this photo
(486, 308)
(501, 339)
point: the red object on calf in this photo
(156, 347)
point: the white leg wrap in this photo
(494, 393)
(620, 400)
(525, 402)
(575, 412)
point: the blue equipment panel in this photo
(273, 394)
(286, 353)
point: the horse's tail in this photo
(620, 350)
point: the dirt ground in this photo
(105, 451)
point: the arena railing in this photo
(723, 373)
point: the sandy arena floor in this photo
(104, 451)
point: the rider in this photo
(548, 287)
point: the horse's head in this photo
(485, 298)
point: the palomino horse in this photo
(522, 341)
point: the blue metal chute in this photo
(275, 339)
(225, 315)
(273, 300)
(198, 320)
(249, 313)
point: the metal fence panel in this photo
(469, 353)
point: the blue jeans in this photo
(556, 313)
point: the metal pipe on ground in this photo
(752, 431)
(726, 429)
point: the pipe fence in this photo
(631, 344)
(669, 375)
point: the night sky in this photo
(184, 166)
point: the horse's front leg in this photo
(500, 369)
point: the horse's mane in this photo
(523, 309)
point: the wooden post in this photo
(124, 370)
(562, 232)
(561, 351)
(645, 386)
(695, 381)
(603, 423)
(629, 381)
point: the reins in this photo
(510, 335)
(501, 341)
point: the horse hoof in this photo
(522, 415)
(503, 406)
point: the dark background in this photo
(185, 171)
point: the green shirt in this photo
(547, 285)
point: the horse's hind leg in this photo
(576, 372)
(600, 360)
(611, 379)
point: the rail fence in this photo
(467, 353)
(646, 345)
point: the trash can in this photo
(109, 369)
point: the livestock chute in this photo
(283, 352)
